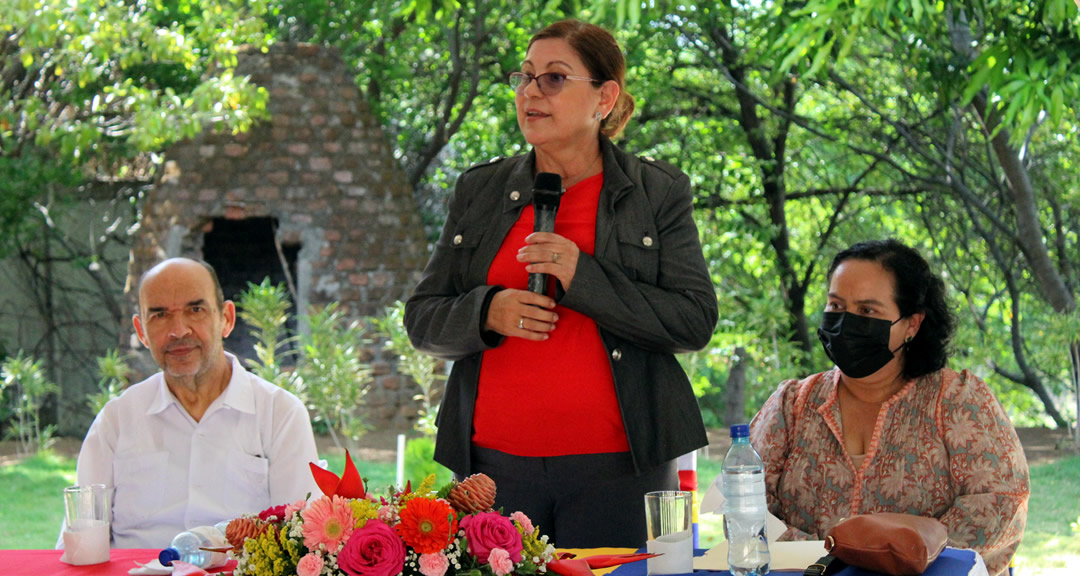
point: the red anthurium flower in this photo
(349, 485)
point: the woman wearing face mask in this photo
(891, 428)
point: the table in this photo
(47, 563)
(951, 562)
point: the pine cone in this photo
(474, 494)
(241, 529)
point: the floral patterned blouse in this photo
(942, 447)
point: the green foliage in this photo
(265, 307)
(1025, 56)
(424, 370)
(115, 373)
(26, 388)
(420, 461)
(330, 376)
(87, 89)
(334, 377)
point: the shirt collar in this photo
(238, 395)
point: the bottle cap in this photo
(737, 431)
(168, 555)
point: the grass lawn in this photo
(1050, 546)
(32, 507)
(32, 502)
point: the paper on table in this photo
(784, 555)
(151, 568)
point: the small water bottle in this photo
(745, 509)
(186, 547)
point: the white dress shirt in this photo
(169, 473)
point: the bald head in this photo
(187, 266)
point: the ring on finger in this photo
(521, 323)
(554, 257)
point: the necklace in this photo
(581, 175)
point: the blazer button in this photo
(458, 239)
(647, 241)
(515, 195)
(616, 354)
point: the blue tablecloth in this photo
(952, 562)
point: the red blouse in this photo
(556, 397)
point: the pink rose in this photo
(524, 521)
(489, 530)
(309, 565)
(433, 564)
(374, 550)
(500, 562)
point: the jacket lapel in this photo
(616, 185)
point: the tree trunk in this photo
(735, 397)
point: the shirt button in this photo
(647, 241)
(515, 195)
(458, 239)
(616, 354)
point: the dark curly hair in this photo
(915, 289)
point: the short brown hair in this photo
(602, 55)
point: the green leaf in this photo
(1057, 103)
(975, 84)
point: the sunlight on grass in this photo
(33, 503)
(1050, 547)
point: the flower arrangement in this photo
(421, 532)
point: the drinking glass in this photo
(86, 533)
(668, 525)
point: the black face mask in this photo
(859, 345)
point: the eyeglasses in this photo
(550, 83)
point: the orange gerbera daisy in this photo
(427, 525)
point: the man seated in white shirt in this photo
(203, 440)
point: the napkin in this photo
(150, 569)
(178, 568)
(87, 543)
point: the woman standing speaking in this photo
(571, 400)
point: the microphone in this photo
(547, 192)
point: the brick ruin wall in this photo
(322, 169)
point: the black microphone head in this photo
(547, 189)
(548, 181)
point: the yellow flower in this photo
(426, 487)
(362, 511)
(266, 556)
(531, 546)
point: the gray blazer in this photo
(646, 287)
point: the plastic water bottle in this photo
(186, 546)
(746, 509)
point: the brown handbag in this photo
(896, 544)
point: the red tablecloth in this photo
(47, 563)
